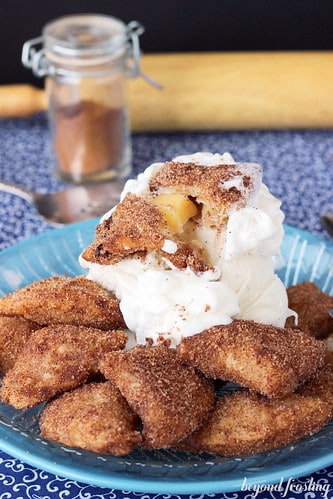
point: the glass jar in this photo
(85, 59)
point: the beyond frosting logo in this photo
(287, 488)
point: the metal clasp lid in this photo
(34, 57)
(134, 30)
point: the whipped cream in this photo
(161, 302)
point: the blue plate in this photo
(303, 257)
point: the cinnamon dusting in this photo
(88, 138)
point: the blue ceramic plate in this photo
(303, 257)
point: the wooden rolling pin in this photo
(217, 91)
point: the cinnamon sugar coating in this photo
(64, 300)
(219, 186)
(56, 359)
(244, 423)
(321, 383)
(269, 360)
(135, 228)
(171, 399)
(312, 306)
(95, 417)
(14, 333)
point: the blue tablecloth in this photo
(298, 168)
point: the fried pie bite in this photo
(14, 333)
(65, 300)
(321, 383)
(266, 359)
(170, 398)
(95, 417)
(56, 359)
(125, 235)
(244, 423)
(177, 195)
(312, 306)
(217, 188)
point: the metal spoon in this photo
(327, 222)
(73, 204)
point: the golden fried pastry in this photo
(171, 399)
(125, 235)
(65, 300)
(218, 187)
(245, 423)
(266, 359)
(56, 359)
(329, 343)
(321, 384)
(95, 417)
(14, 333)
(177, 193)
(312, 306)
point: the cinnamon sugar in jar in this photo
(85, 59)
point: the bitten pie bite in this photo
(190, 246)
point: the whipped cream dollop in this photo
(161, 302)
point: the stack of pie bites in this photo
(65, 341)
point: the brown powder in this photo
(88, 138)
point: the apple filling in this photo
(176, 208)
